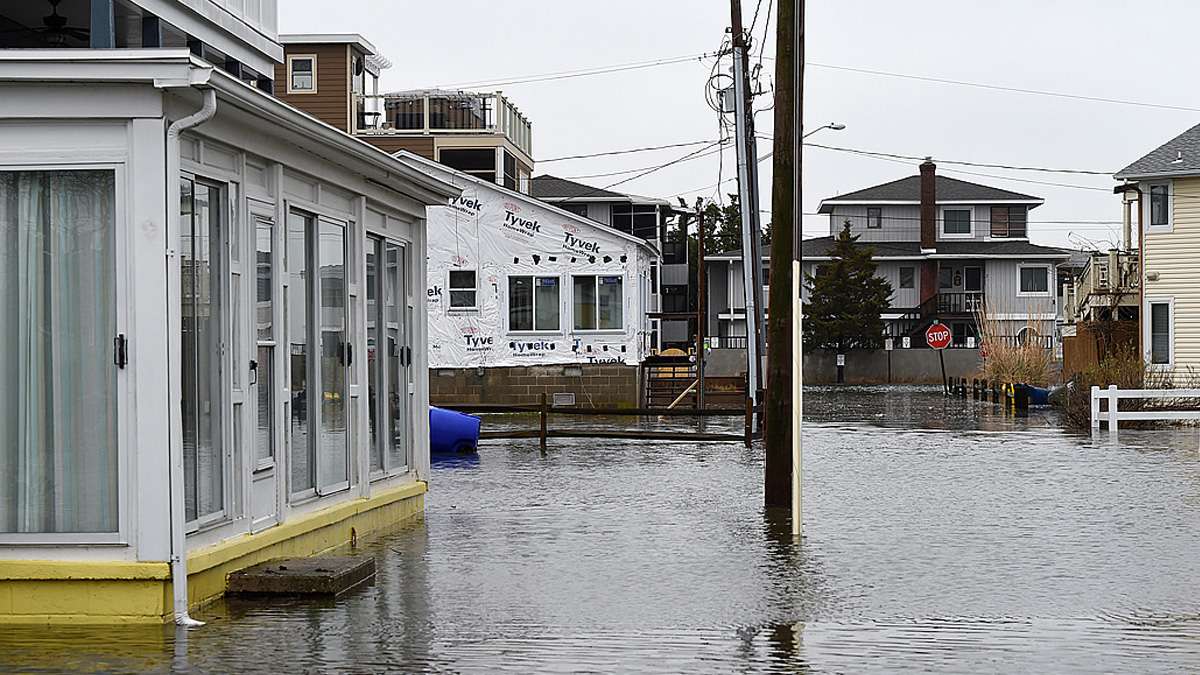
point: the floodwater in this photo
(940, 535)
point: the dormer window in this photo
(302, 74)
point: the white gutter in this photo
(179, 584)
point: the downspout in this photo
(174, 345)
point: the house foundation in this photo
(591, 385)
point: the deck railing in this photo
(442, 112)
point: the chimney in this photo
(928, 205)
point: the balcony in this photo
(442, 112)
(969, 302)
(1109, 282)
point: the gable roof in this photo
(428, 165)
(908, 191)
(552, 188)
(1178, 156)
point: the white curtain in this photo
(58, 445)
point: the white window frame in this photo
(1170, 225)
(1049, 292)
(596, 277)
(312, 58)
(1148, 334)
(474, 307)
(534, 331)
(124, 390)
(969, 234)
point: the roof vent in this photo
(1178, 157)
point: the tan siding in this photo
(331, 102)
(1175, 257)
(422, 146)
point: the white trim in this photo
(1148, 206)
(292, 58)
(941, 230)
(355, 39)
(1049, 292)
(1147, 331)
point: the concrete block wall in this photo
(594, 385)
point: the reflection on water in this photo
(940, 535)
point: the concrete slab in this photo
(330, 575)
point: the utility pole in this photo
(784, 373)
(748, 200)
(701, 307)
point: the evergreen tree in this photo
(846, 300)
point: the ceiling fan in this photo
(54, 31)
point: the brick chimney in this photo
(928, 205)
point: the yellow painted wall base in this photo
(140, 592)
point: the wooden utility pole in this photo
(782, 378)
(747, 164)
(701, 307)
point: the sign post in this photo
(887, 346)
(938, 337)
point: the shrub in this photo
(1005, 359)
(1123, 367)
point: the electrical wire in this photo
(581, 72)
(623, 152)
(628, 171)
(647, 172)
(961, 162)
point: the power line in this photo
(628, 171)
(961, 162)
(623, 152)
(582, 72)
(647, 172)
(999, 87)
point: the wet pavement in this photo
(940, 535)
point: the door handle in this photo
(120, 351)
(254, 372)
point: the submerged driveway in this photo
(940, 535)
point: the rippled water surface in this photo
(939, 535)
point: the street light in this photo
(832, 125)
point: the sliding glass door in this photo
(389, 369)
(320, 355)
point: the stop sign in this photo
(938, 336)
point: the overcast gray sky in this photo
(1103, 49)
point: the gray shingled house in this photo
(949, 248)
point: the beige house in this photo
(1165, 185)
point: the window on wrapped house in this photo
(598, 302)
(533, 303)
(463, 289)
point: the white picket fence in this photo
(1113, 415)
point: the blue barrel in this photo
(452, 433)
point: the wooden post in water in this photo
(543, 413)
(749, 419)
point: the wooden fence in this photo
(752, 420)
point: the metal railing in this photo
(966, 302)
(442, 112)
(1107, 280)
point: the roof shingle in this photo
(1180, 155)
(908, 189)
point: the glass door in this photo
(389, 372)
(262, 381)
(335, 357)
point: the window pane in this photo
(1158, 205)
(584, 292)
(945, 277)
(547, 303)
(264, 440)
(203, 267)
(1016, 221)
(375, 359)
(462, 279)
(1034, 280)
(907, 275)
(396, 297)
(520, 303)
(609, 298)
(265, 292)
(973, 279)
(334, 446)
(58, 405)
(874, 218)
(302, 74)
(957, 221)
(999, 221)
(298, 327)
(462, 288)
(1160, 332)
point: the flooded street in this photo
(939, 535)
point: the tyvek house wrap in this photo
(500, 234)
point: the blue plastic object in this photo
(452, 433)
(1039, 396)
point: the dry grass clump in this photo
(1005, 360)
(1124, 367)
